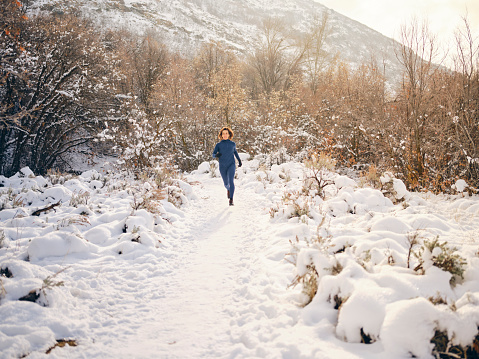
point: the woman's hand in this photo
(218, 155)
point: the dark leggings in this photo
(228, 175)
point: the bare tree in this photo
(210, 59)
(417, 52)
(13, 23)
(57, 102)
(148, 60)
(219, 75)
(228, 100)
(269, 61)
(317, 59)
(467, 100)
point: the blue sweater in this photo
(227, 148)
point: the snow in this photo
(396, 334)
(195, 278)
(460, 185)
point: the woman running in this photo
(225, 152)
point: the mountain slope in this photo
(186, 24)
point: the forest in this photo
(69, 86)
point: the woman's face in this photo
(225, 134)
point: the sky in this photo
(387, 16)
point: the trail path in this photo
(217, 263)
(220, 286)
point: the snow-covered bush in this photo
(296, 205)
(80, 199)
(9, 199)
(175, 196)
(393, 188)
(364, 274)
(148, 199)
(277, 157)
(435, 253)
(460, 186)
(444, 347)
(309, 266)
(57, 177)
(39, 295)
(309, 282)
(163, 186)
(140, 142)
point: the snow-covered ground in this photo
(205, 280)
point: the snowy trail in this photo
(212, 294)
(203, 285)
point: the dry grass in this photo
(371, 177)
(61, 343)
(309, 282)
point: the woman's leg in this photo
(225, 177)
(231, 178)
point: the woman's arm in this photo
(237, 157)
(216, 152)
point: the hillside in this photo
(186, 24)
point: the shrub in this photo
(392, 188)
(442, 257)
(444, 349)
(285, 175)
(79, 199)
(135, 234)
(48, 283)
(265, 177)
(317, 174)
(412, 239)
(165, 176)
(300, 205)
(148, 199)
(79, 220)
(175, 196)
(272, 212)
(372, 177)
(336, 268)
(10, 199)
(156, 185)
(309, 282)
(57, 177)
(309, 278)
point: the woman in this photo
(225, 152)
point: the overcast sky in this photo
(387, 16)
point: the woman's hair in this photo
(230, 131)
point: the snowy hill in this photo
(187, 276)
(186, 24)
